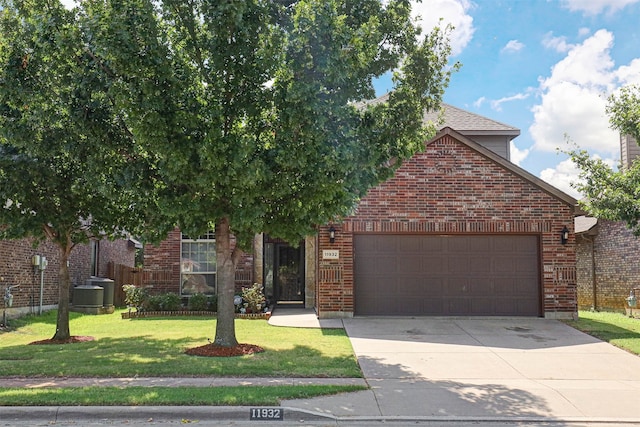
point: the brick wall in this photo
(617, 266)
(16, 268)
(450, 188)
(118, 251)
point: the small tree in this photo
(67, 164)
(610, 194)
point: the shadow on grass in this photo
(149, 356)
(608, 332)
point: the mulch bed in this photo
(214, 350)
(70, 340)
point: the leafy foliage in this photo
(163, 302)
(198, 302)
(69, 168)
(134, 296)
(614, 194)
(254, 298)
(624, 111)
(246, 116)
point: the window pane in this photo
(198, 284)
(198, 264)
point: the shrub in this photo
(134, 296)
(154, 303)
(254, 298)
(198, 302)
(171, 302)
(164, 302)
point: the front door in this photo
(284, 268)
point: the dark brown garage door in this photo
(447, 275)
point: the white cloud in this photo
(584, 31)
(559, 44)
(573, 99)
(629, 74)
(517, 155)
(478, 102)
(561, 177)
(68, 4)
(588, 64)
(595, 7)
(567, 173)
(497, 104)
(454, 12)
(512, 46)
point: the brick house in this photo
(86, 260)
(459, 230)
(608, 254)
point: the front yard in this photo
(155, 347)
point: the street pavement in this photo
(421, 371)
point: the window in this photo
(198, 265)
(95, 258)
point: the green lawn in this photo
(614, 328)
(166, 396)
(155, 347)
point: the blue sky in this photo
(545, 67)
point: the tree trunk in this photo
(226, 272)
(62, 323)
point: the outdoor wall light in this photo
(564, 235)
(332, 234)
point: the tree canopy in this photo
(614, 194)
(251, 111)
(67, 163)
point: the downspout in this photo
(593, 273)
(594, 284)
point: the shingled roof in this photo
(464, 122)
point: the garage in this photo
(447, 275)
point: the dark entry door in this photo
(289, 273)
(283, 271)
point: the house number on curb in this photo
(259, 414)
(330, 254)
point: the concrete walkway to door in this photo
(476, 368)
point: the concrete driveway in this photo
(475, 368)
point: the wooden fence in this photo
(160, 279)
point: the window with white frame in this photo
(198, 264)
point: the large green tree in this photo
(67, 162)
(251, 108)
(614, 194)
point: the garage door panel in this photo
(478, 286)
(446, 275)
(477, 263)
(482, 306)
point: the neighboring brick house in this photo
(459, 230)
(608, 254)
(86, 260)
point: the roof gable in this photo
(517, 170)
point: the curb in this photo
(59, 414)
(181, 414)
